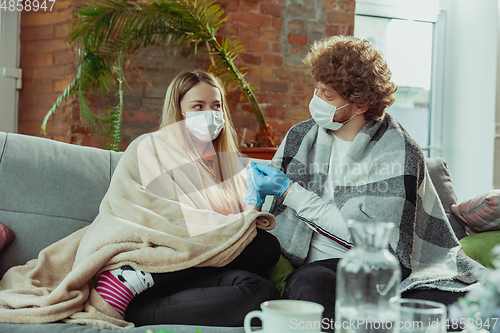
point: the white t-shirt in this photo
(331, 238)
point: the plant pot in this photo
(263, 153)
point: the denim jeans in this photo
(212, 296)
(317, 280)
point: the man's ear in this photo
(361, 109)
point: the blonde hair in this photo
(224, 196)
(354, 69)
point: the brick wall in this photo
(276, 35)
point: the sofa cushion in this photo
(481, 213)
(478, 246)
(48, 190)
(6, 235)
(441, 179)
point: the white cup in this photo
(287, 316)
(421, 316)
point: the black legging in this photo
(316, 282)
(211, 296)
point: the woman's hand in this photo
(269, 180)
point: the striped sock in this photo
(119, 286)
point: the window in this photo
(408, 44)
(9, 73)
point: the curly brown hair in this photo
(354, 69)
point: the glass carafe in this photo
(368, 279)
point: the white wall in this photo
(469, 94)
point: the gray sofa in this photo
(50, 189)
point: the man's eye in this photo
(327, 96)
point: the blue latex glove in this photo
(269, 180)
(253, 197)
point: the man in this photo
(354, 161)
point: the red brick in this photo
(37, 86)
(349, 6)
(249, 6)
(297, 39)
(229, 5)
(255, 46)
(229, 29)
(30, 128)
(250, 32)
(37, 33)
(260, 20)
(277, 47)
(261, 71)
(298, 49)
(63, 4)
(37, 60)
(339, 17)
(24, 18)
(290, 74)
(271, 9)
(41, 100)
(138, 116)
(54, 72)
(332, 30)
(63, 58)
(280, 125)
(277, 23)
(27, 74)
(251, 58)
(272, 35)
(297, 25)
(63, 30)
(61, 85)
(350, 30)
(273, 98)
(303, 99)
(302, 88)
(42, 18)
(331, 5)
(47, 46)
(275, 111)
(301, 114)
(273, 60)
(274, 86)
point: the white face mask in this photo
(323, 113)
(204, 125)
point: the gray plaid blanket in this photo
(384, 178)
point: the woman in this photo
(173, 236)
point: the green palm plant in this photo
(108, 30)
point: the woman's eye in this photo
(216, 107)
(197, 107)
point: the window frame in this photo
(416, 11)
(9, 69)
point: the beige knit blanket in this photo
(155, 216)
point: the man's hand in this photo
(269, 180)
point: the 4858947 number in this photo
(27, 5)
